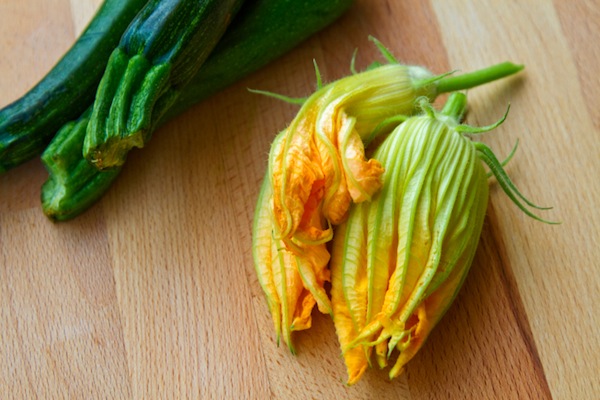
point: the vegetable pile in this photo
(394, 234)
(137, 65)
(380, 243)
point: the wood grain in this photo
(152, 293)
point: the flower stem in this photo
(476, 78)
(455, 105)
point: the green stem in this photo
(476, 78)
(455, 105)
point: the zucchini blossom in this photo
(293, 281)
(319, 163)
(317, 168)
(399, 260)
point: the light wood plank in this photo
(81, 13)
(557, 164)
(61, 329)
(152, 294)
(35, 36)
(187, 307)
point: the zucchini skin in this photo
(29, 123)
(262, 31)
(162, 49)
(64, 197)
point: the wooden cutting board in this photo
(152, 294)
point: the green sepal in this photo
(487, 156)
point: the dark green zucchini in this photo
(74, 183)
(262, 31)
(160, 52)
(29, 123)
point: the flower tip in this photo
(291, 347)
(396, 372)
(325, 308)
(353, 379)
(355, 373)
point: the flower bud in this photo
(292, 282)
(398, 261)
(320, 159)
(317, 169)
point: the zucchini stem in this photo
(476, 78)
(455, 106)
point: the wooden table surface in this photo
(152, 294)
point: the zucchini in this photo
(160, 52)
(262, 31)
(29, 123)
(74, 183)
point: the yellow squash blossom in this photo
(320, 158)
(399, 260)
(292, 282)
(317, 168)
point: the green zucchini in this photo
(74, 183)
(262, 31)
(160, 52)
(29, 123)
